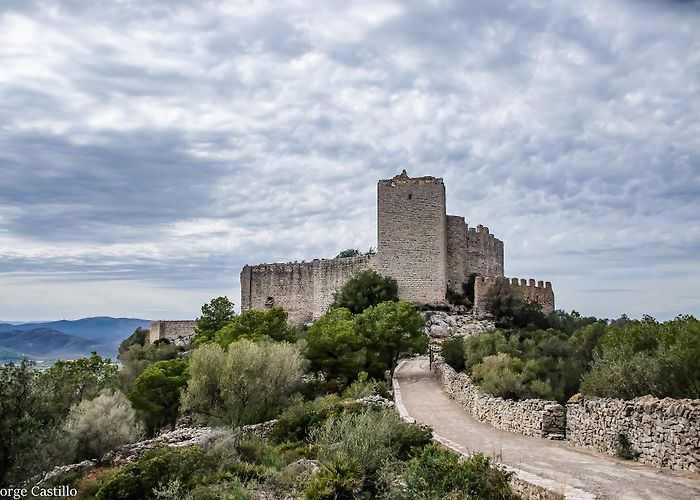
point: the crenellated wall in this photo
(174, 331)
(303, 289)
(418, 244)
(528, 289)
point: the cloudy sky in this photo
(148, 150)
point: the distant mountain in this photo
(66, 339)
(44, 343)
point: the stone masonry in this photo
(660, 432)
(531, 417)
(177, 332)
(425, 250)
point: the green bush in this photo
(256, 325)
(365, 386)
(250, 383)
(453, 352)
(373, 438)
(366, 288)
(639, 357)
(156, 467)
(439, 473)
(296, 422)
(338, 479)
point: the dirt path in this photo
(578, 474)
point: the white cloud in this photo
(164, 145)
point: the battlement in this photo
(403, 179)
(427, 252)
(529, 290)
(304, 289)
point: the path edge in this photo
(526, 484)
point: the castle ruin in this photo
(425, 250)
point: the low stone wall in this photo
(663, 432)
(532, 417)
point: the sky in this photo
(148, 150)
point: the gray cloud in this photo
(167, 144)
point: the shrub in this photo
(639, 357)
(365, 289)
(372, 438)
(256, 325)
(100, 425)
(338, 479)
(365, 386)
(296, 422)
(155, 468)
(453, 353)
(137, 358)
(500, 375)
(439, 473)
(250, 383)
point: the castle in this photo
(425, 250)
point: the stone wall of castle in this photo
(471, 251)
(529, 290)
(304, 289)
(419, 245)
(412, 236)
(663, 432)
(174, 331)
(484, 252)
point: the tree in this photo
(350, 252)
(156, 393)
(510, 310)
(365, 289)
(139, 337)
(67, 383)
(390, 329)
(215, 315)
(138, 358)
(255, 325)
(99, 425)
(23, 418)
(250, 383)
(334, 346)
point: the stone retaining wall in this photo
(531, 417)
(663, 432)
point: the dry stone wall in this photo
(663, 432)
(531, 417)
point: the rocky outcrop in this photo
(440, 325)
(531, 417)
(657, 432)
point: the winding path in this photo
(578, 474)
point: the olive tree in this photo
(249, 383)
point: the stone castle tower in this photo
(425, 250)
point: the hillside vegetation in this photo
(336, 435)
(554, 357)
